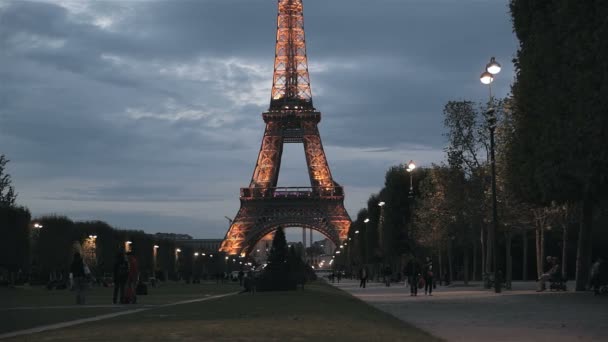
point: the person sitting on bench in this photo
(552, 275)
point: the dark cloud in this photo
(147, 113)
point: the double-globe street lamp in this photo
(487, 77)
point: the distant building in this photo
(200, 245)
(325, 245)
(261, 249)
(173, 236)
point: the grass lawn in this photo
(27, 307)
(320, 313)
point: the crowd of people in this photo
(421, 275)
(418, 275)
(125, 278)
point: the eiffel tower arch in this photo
(291, 118)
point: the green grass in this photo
(165, 293)
(37, 301)
(320, 313)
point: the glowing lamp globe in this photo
(486, 78)
(493, 67)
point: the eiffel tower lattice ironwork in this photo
(291, 118)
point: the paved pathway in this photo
(473, 314)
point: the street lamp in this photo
(154, 259)
(410, 168)
(90, 250)
(487, 77)
(38, 226)
(381, 237)
(128, 246)
(493, 67)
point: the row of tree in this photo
(550, 164)
(42, 249)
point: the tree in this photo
(560, 109)
(468, 151)
(276, 275)
(15, 241)
(56, 245)
(7, 192)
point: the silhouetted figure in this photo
(79, 279)
(387, 273)
(121, 273)
(412, 272)
(552, 273)
(240, 276)
(132, 279)
(363, 276)
(598, 275)
(428, 277)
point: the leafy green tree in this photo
(559, 153)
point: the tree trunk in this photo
(525, 255)
(540, 250)
(483, 251)
(489, 247)
(466, 267)
(565, 251)
(585, 243)
(474, 260)
(450, 260)
(509, 264)
(440, 275)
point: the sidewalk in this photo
(460, 313)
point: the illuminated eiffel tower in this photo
(291, 118)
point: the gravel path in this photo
(473, 314)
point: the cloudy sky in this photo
(147, 114)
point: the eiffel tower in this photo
(291, 118)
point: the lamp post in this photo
(90, 249)
(177, 251)
(381, 241)
(410, 168)
(487, 77)
(128, 246)
(154, 258)
(365, 250)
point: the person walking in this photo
(428, 277)
(387, 273)
(412, 272)
(79, 277)
(121, 273)
(241, 275)
(132, 279)
(363, 276)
